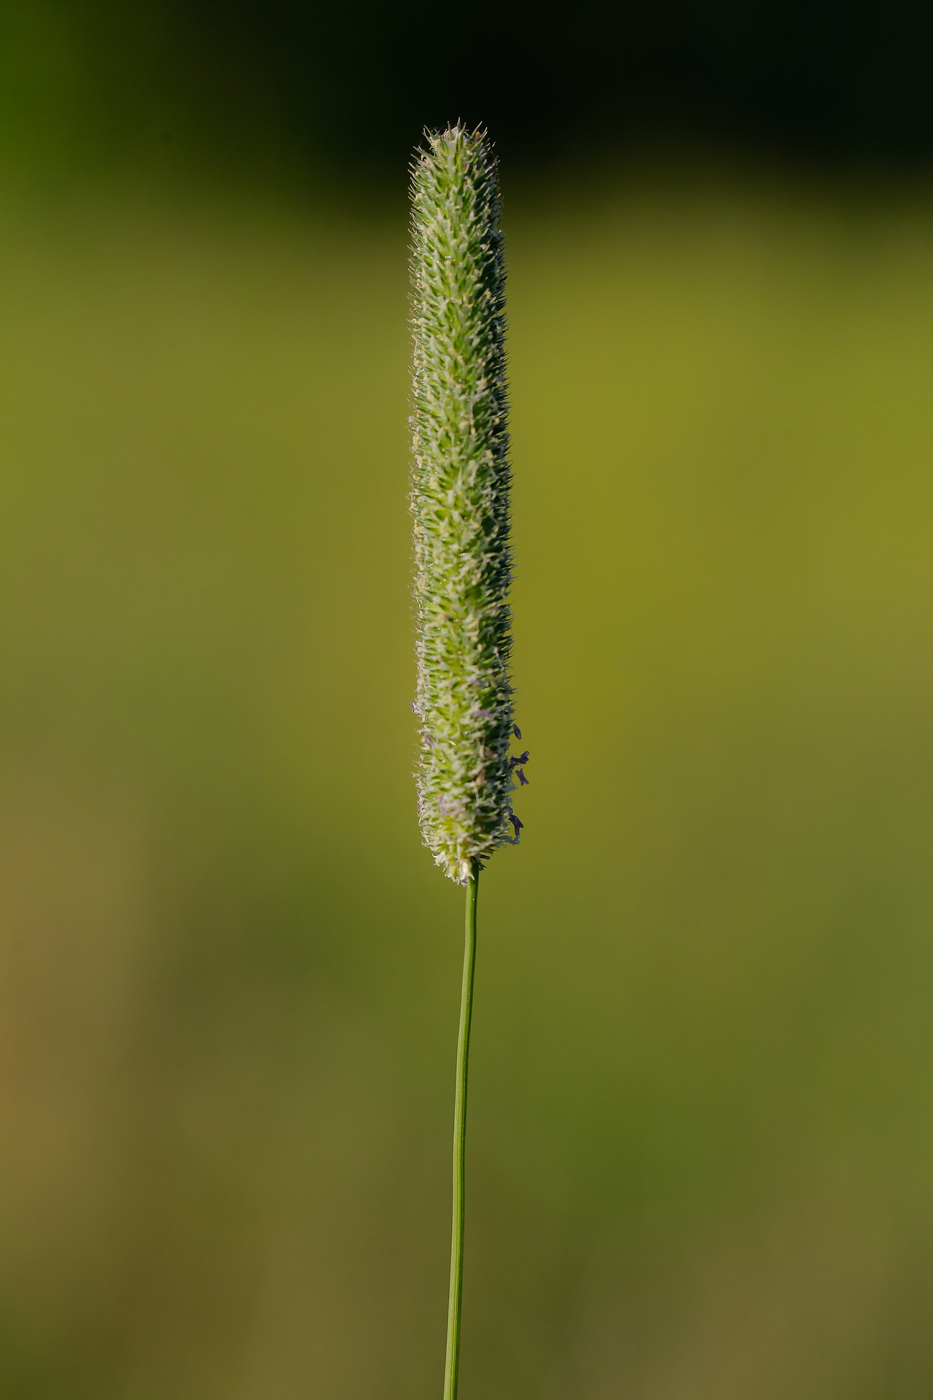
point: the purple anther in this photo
(522, 780)
(522, 757)
(516, 822)
(516, 731)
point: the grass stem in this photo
(460, 1104)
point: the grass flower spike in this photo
(460, 503)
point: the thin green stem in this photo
(452, 1366)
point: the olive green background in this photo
(700, 1162)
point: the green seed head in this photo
(460, 502)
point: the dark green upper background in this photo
(296, 85)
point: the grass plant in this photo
(460, 504)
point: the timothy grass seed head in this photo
(460, 503)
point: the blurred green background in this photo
(701, 1136)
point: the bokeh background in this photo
(701, 1136)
